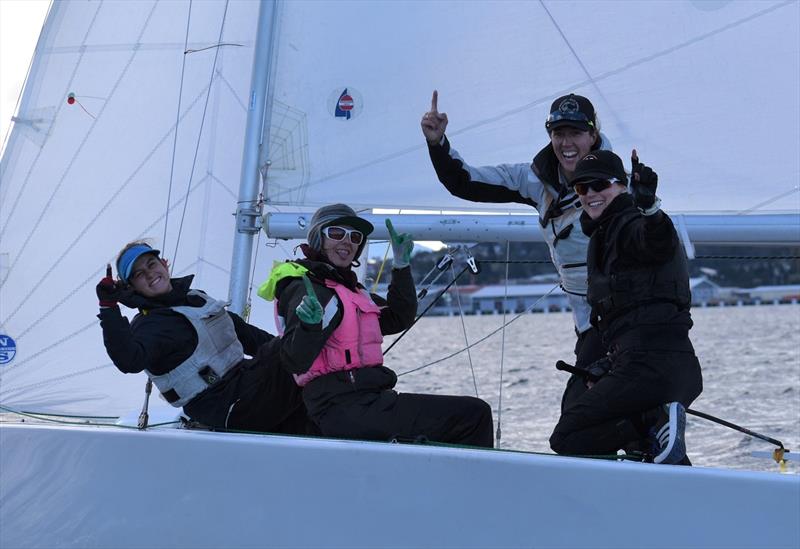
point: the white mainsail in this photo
(707, 92)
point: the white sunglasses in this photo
(339, 233)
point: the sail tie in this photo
(219, 45)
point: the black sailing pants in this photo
(608, 416)
(588, 349)
(387, 414)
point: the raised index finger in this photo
(392, 232)
(109, 274)
(435, 102)
(634, 157)
(309, 287)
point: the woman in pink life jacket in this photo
(332, 329)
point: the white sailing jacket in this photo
(559, 212)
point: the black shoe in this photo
(668, 434)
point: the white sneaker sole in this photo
(675, 449)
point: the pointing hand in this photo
(402, 246)
(644, 182)
(108, 291)
(433, 122)
(310, 310)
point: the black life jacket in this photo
(612, 294)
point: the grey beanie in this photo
(336, 214)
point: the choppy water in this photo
(751, 372)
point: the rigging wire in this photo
(498, 434)
(177, 127)
(432, 303)
(464, 329)
(484, 338)
(769, 201)
(534, 304)
(739, 257)
(200, 133)
(581, 64)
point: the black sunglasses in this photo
(597, 185)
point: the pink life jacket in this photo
(355, 343)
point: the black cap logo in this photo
(569, 105)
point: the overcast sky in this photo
(20, 23)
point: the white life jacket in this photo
(218, 350)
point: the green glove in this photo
(402, 246)
(309, 311)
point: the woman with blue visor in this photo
(222, 371)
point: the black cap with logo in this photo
(571, 110)
(600, 165)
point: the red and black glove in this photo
(109, 291)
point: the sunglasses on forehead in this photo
(597, 185)
(572, 116)
(339, 233)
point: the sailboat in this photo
(143, 118)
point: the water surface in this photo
(751, 372)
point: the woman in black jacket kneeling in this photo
(639, 293)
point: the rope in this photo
(48, 418)
(380, 271)
(221, 44)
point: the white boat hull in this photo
(111, 487)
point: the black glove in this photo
(108, 290)
(643, 183)
(598, 368)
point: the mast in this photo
(247, 209)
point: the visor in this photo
(127, 259)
